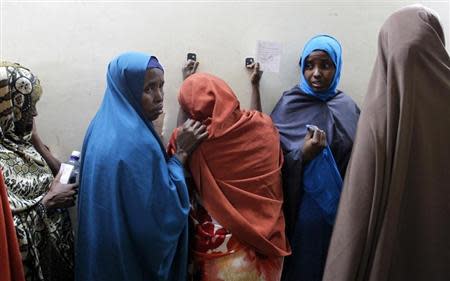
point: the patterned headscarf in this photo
(27, 176)
(46, 241)
(18, 99)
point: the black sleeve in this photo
(292, 187)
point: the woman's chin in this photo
(319, 89)
(153, 117)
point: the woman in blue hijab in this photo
(317, 125)
(133, 204)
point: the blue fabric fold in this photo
(323, 183)
(321, 186)
(133, 203)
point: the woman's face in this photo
(153, 95)
(319, 71)
(25, 125)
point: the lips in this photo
(317, 84)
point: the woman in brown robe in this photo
(393, 221)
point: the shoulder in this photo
(345, 100)
(294, 91)
(343, 97)
(258, 119)
(289, 97)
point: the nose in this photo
(317, 73)
(159, 95)
(34, 112)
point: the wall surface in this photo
(68, 44)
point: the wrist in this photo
(186, 75)
(46, 201)
(41, 208)
(306, 157)
(182, 156)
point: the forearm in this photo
(51, 160)
(255, 100)
(181, 156)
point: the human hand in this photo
(256, 75)
(60, 195)
(190, 135)
(315, 141)
(189, 68)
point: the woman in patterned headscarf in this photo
(36, 198)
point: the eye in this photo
(308, 65)
(327, 65)
(151, 87)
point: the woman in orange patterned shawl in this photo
(239, 230)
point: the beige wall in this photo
(68, 45)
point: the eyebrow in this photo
(327, 59)
(153, 82)
(155, 79)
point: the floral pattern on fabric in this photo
(45, 240)
(217, 255)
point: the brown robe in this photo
(393, 221)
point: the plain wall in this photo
(68, 44)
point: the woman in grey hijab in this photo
(393, 219)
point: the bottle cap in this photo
(76, 154)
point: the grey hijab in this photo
(393, 219)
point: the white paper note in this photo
(66, 172)
(268, 54)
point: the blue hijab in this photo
(133, 203)
(332, 47)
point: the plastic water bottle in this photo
(71, 169)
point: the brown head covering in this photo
(237, 171)
(393, 220)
